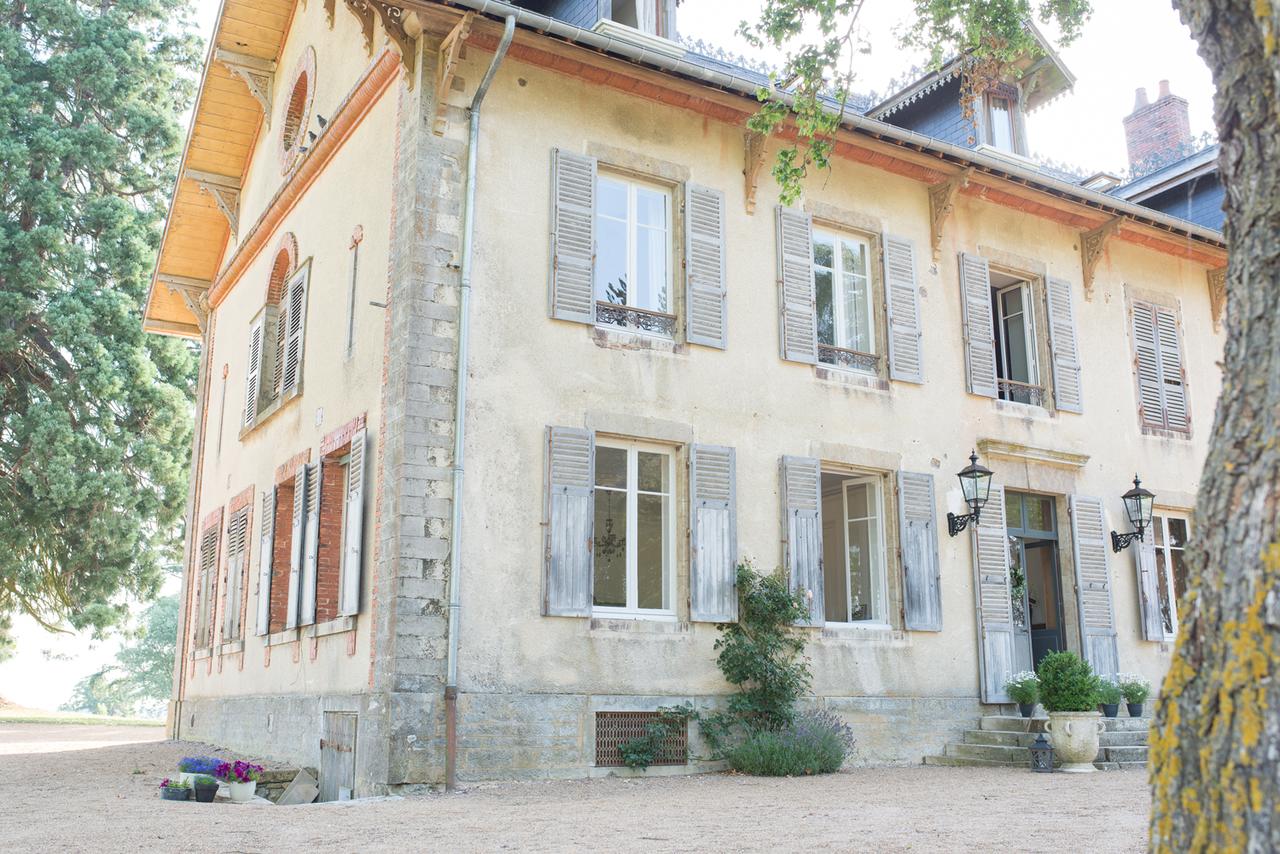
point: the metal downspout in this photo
(460, 409)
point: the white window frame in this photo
(991, 123)
(880, 571)
(632, 610)
(1161, 517)
(837, 271)
(632, 229)
(1031, 340)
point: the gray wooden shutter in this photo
(1067, 392)
(353, 528)
(797, 318)
(296, 545)
(1093, 585)
(1171, 375)
(253, 377)
(1146, 356)
(902, 305)
(713, 534)
(569, 555)
(1144, 561)
(266, 547)
(204, 592)
(573, 237)
(237, 544)
(999, 653)
(295, 330)
(802, 531)
(921, 577)
(282, 333)
(704, 266)
(979, 331)
(311, 549)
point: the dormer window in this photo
(1000, 127)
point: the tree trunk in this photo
(1215, 746)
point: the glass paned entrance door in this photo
(1034, 578)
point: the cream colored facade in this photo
(529, 685)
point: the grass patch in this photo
(31, 716)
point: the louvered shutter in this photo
(570, 521)
(311, 548)
(253, 377)
(282, 333)
(802, 531)
(1067, 392)
(797, 318)
(573, 237)
(705, 266)
(1147, 365)
(979, 331)
(713, 535)
(906, 347)
(1171, 375)
(296, 545)
(296, 298)
(237, 539)
(1000, 653)
(921, 578)
(205, 588)
(353, 527)
(1144, 561)
(266, 547)
(1093, 585)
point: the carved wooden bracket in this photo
(225, 191)
(942, 199)
(393, 21)
(752, 159)
(1217, 280)
(194, 293)
(1092, 245)
(447, 66)
(256, 73)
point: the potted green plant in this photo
(1069, 693)
(1109, 697)
(1024, 689)
(174, 790)
(205, 788)
(241, 778)
(1135, 690)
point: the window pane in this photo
(864, 551)
(853, 257)
(651, 207)
(610, 547)
(1178, 559)
(1157, 522)
(1039, 513)
(611, 467)
(1017, 583)
(611, 261)
(1001, 116)
(1017, 358)
(1178, 533)
(857, 314)
(825, 306)
(1042, 594)
(1012, 510)
(651, 270)
(1162, 582)
(611, 198)
(653, 471)
(823, 251)
(651, 550)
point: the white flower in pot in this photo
(1069, 693)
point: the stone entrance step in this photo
(1002, 740)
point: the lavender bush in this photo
(815, 742)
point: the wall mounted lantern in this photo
(975, 482)
(1137, 506)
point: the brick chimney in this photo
(1154, 130)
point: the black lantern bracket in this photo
(1138, 504)
(956, 524)
(1120, 542)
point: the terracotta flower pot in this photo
(1075, 739)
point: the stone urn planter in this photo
(1075, 739)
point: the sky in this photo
(1123, 46)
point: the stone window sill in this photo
(1160, 433)
(874, 633)
(622, 626)
(285, 636)
(231, 647)
(332, 627)
(202, 652)
(1021, 410)
(267, 414)
(616, 338)
(847, 377)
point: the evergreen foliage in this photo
(1067, 683)
(95, 421)
(142, 678)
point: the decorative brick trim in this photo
(295, 117)
(212, 519)
(287, 469)
(286, 261)
(242, 499)
(342, 436)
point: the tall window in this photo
(854, 579)
(634, 541)
(842, 284)
(633, 255)
(1171, 567)
(1012, 309)
(1000, 133)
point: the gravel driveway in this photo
(63, 788)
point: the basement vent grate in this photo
(614, 729)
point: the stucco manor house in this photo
(510, 354)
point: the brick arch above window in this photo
(286, 261)
(297, 109)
